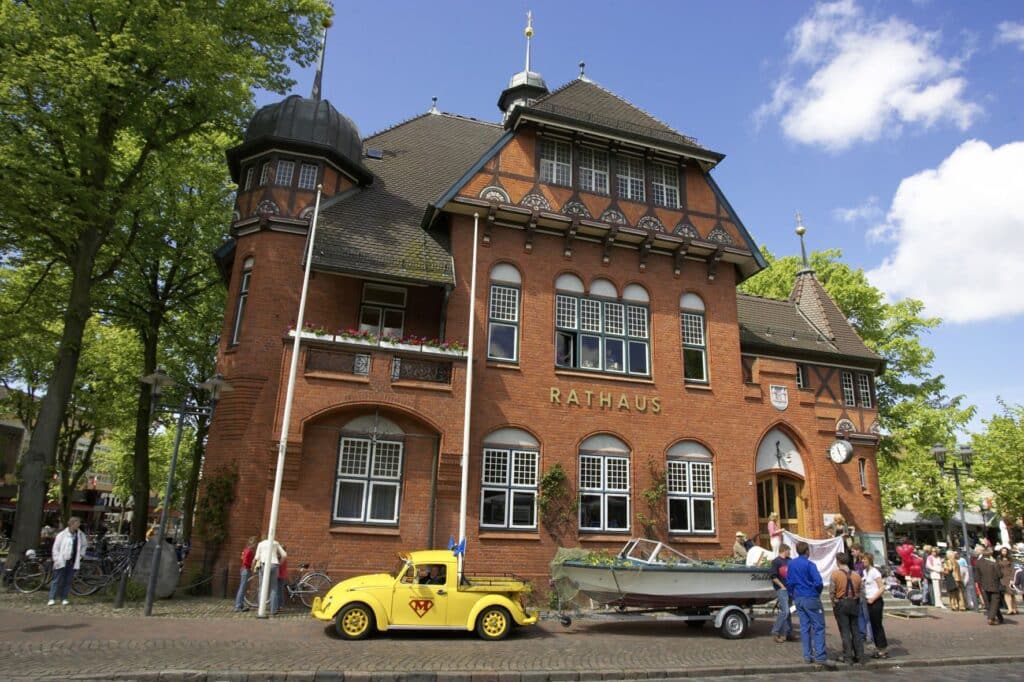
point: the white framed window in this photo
(689, 479)
(862, 468)
(665, 185)
(368, 481)
(243, 297)
(864, 384)
(555, 162)
(307, 176)
(849, 396)
(503, 323)
(604, 492)
(694, 341)
(601, 336)
(629, 177)
(801, 376)
(508, 491)
(593, 170)
(250, 175)
(264, 173)
(382, 312)
(285, 171)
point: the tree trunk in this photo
(140, 459)
(37, 463)
(198, 450)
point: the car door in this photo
(415, 605)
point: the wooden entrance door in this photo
(780, 493)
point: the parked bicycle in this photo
(306, 587)
(96, 573)
(32, 573)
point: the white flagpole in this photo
(282, 446)
(469, 400)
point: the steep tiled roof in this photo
(814, 302)
(588, 102)
(781, 326)
(376, 230)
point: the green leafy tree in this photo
(92, 92)
(999, 458)
(168, 289)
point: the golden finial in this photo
(529, 34)
(801, 230)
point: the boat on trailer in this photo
(649, 574)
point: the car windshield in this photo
(399, 568)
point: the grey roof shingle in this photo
(812, 299)
(770, 324)
(588, 102)
(376, 230)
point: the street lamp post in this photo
(966, 458)
(215, 385)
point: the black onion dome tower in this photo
(526, 86)
(291, 147)
(305, 126)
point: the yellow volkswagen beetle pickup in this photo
(423, 592)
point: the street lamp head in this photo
(939, 453)
(157, 380)
(216, 385)
(967, 456)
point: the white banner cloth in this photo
(822, 554)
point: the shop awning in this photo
(903, 517)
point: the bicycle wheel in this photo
(312, 586)
(252, 591)
(29, 576)
(88, 579)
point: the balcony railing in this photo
(405, 365)
(338, 362)
(417, 369)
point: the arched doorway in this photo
(780, 484)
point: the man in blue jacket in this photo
(804, 583)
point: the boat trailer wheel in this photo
(566, 621)
(734, 625)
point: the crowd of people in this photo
(989, 580)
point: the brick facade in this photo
(730, 416)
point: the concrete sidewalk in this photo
(204, 640)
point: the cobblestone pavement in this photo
(201, 639)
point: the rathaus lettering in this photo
(605, 401)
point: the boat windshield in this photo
(652, 552)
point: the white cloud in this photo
(852, 79)
(1010, 32)
(959, 234)
(869, 210)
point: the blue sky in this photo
(895, 128)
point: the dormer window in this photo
(307, 176)
(250, 175)
(593, 170)
(629, 178)
(264, 173)
(665, 185)
(285, 170)
(555, 163)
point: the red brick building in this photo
(609, 341)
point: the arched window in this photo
(503, 313)
(691, 322)
(690, 483)
(508, 487)
(243, 296)
(368, 480)
(599, 332)
(604, 484)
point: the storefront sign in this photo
(601, 400)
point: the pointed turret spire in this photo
(525, 86)
(319, 78)
(800, 230)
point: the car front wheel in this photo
(355, 621)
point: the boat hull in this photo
(686, 587)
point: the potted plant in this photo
(356, 336)
(409, 343)
(310, 330)
(445, 347)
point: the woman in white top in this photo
(774, 532)
(873, 591)
(933, 565)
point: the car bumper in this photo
(318, 612)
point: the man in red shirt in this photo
(247, 556)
